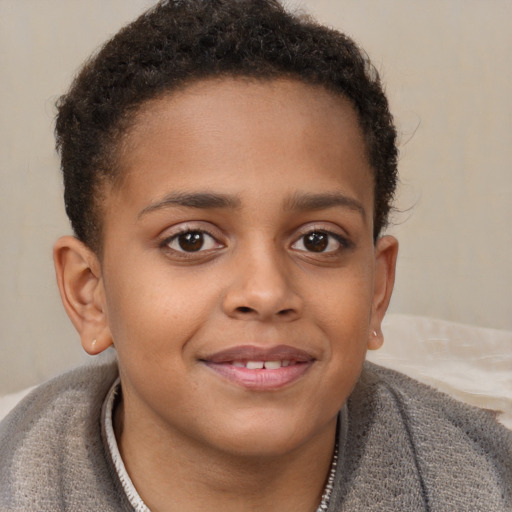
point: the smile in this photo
(260, 369)
(260, 365)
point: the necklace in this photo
(127, 484)
(326, 496)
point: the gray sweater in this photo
(406, 448)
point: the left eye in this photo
(192, 241)
(318, 241)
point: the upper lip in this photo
(255, 353)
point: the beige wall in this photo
(446, 64)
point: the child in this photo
(229, 169)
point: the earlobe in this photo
(82, 293)
(386, 252)
(375, 340)
(101, 342)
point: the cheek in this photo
(155, 311)
(343, 300)
(343, 311)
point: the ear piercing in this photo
(373, 332)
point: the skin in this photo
(190, 437)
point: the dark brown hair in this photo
(180, 41)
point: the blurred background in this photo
(446, 67)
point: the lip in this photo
(260, 379)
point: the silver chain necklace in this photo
(326, 496)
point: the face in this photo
(240, 277)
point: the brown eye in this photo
(191, 241)
(316, 241)
(320, 242)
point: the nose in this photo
(261, 288)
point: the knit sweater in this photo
(406, 448)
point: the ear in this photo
(386, 251)
(82, 292)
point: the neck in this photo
(174, 472)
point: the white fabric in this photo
(472, 364)
(128, 487)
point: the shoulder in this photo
(75, 395)
(459, 455)
(427, 403)
(51, 447)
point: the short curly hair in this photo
(178, 42)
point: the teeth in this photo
(254, 365)
(259, 365)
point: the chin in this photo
(266, 445)
(270, 436)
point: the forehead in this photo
(215, 132)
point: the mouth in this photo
(260, 369)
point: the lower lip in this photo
(261, 380)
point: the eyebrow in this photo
(201, 200)
(305, 202)
(298, 202)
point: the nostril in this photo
(244, 309)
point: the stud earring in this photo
(373, 332)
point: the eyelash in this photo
(341, 241)
(166, 243)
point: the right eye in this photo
(191, 241)
(320, 241)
